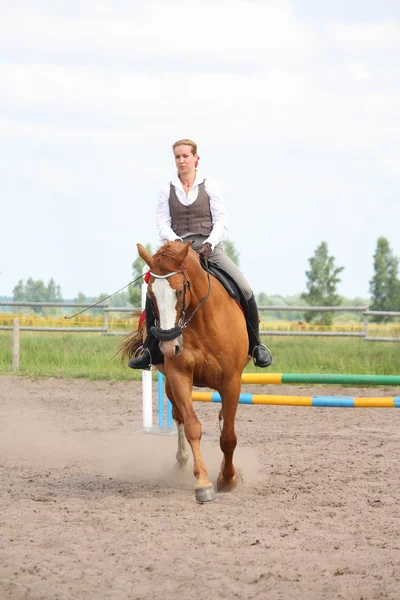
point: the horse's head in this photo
(169, 289)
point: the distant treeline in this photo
(300, 316)
(322, 280)
(122, 300)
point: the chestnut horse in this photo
(203, 338)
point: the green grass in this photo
(66, 355)
(92, 356)
(334, 355)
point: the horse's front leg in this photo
(181, 388)
(230, 399)
(182, 455)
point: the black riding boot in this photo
(260, 353)
(151, 354)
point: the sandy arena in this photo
(91, 509)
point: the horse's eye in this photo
(179, 293)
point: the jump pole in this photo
(316, 401)
(147, 389)
(313, 401)
(147, 392)
(282, 378)
(161, 396)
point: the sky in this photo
(294, 105)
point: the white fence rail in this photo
(107, 309)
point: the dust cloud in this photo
(31, 438)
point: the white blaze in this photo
(166, 302)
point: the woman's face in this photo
(184, 158)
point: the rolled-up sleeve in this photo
(218, 212)
(163, 217)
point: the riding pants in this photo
(220, 259)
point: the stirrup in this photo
(269, 352)
(135, 362)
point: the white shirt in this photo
(217, 206)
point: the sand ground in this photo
(90, 508)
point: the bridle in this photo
(165, 335)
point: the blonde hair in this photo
(186, 142)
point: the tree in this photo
(81, 298)
(37, 291)
(135, 290)
(99, 309)
(231, 251)
(322, 281)
(384, 285)
(53, 292)
(263, 299)
(120, 299)
(19, 291)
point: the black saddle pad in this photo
(229, 284)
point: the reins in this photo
(171, 334)
(186, 323)
(106, 298)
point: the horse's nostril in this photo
(177, 350)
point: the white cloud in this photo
(275, 105)
(368, 36)
(233, 30)
(359, 72)
(48, 175)
(276, 92)
(52, 134)
(391, 167)
(289, 116)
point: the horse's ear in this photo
(148, 259)
(184, 252)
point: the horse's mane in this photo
(167, 257)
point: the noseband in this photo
(166, 335)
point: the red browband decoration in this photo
(142, 318)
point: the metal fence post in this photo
(15, 352)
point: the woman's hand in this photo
(205, 250)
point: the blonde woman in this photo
(191, 207)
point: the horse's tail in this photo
(131, 343)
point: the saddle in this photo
(228, 283)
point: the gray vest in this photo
(194, 219)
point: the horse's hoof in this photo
(224, 486)
(206, 494)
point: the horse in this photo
(202, 335)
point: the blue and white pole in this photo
(147, 395)
(161, 397)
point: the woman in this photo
(191, 207)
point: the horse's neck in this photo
(206, 286)
(199, 282)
